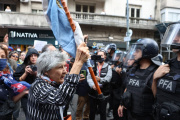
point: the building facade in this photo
(103, 20)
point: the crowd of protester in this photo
(43, 84)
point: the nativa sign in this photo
(31, 34)
(15, 34)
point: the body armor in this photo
(142, 97)
(168, 95)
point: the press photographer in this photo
(103, 76)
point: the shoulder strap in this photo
(151, 71)
(151, 68)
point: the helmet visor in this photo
(172, 36)
(107, 48)
(110, 47)
(133, 54)
(117, 56)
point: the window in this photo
(85, 8)
(162, 17)
(173, 17)
(3, 7)
(34, 11)
(132, 12)
(37, 11)
(91, 9)
(137, 13)
(78, 8)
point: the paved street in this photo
(72, 110)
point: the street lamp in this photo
(128, 37)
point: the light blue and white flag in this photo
(61, 27)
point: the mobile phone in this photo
(83, 72)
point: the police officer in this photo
(166, 82)
(138, 97)
(94, 50)
(116, 83)
(110, 49)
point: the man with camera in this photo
(27, 72)
(103, 74)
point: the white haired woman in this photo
(54, 87)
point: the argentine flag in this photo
(60, 25)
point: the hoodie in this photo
(21, 68)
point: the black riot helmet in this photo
(111, 47)
(172, 36)
(144, 48)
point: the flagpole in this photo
(68, 15)
(74, 28)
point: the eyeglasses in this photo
(15, 56)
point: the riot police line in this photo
(142, 87)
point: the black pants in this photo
(94, 103)
(133, 116)
(110, 100)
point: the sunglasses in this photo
(15, 56)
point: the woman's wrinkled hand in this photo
(82, 53)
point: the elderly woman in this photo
(54, 87)
(14, 55)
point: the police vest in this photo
(142, 97)
(105, 86)
(168, 88)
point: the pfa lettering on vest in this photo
(134, 82)
(167, 85)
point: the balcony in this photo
(38, 21)
(23, 20)
(110, 20)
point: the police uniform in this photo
(168, 93)
(138, 98)
(117, 90)
(139, 83)
(167, 106)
